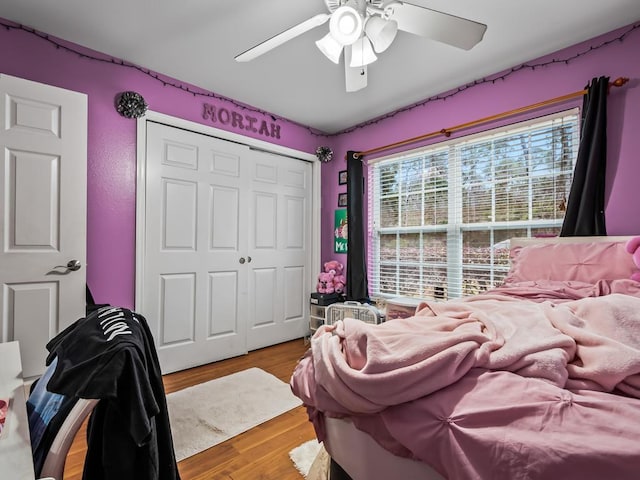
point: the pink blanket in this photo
(589, 343)
(592, 343)
(562, 291)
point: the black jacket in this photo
(110, 355)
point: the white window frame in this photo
(455, 227)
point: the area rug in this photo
(311, 460)
(210, 413)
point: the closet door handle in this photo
(241, 260)
(248, 259)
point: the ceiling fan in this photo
(362, 28)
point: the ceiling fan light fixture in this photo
(330, 47)
(346, 25)
(362, 27)
(381, 32)
(362, 53)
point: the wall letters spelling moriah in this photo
(231, 118)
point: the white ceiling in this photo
(196, 41)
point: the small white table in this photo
(16, 460)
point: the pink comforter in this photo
(512, 388)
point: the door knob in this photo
(248, 259)
(71, 266)
(74, 265)
(241, 260)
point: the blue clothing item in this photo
(42, 408)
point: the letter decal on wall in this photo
(240, 121)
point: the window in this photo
(440, 217)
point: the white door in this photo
(43, 175)
(195, 293)
(222, 273)
(279, 246)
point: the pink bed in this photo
(536, 379)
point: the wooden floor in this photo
(260, 453)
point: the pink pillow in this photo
(583, 262)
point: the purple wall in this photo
(112, 145)
(112, 138)
(521, 88)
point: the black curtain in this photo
(585, 206)
(357, 287)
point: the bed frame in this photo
(357, 456)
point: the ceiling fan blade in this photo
(282, 37)
(355, 77)
(456, 31)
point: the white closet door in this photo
(227, 247)
(195, 286)
(43, 178)
(279, 248)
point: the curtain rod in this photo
(618, 82)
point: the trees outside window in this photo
(440, 218)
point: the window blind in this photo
(440, 218)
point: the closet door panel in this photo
(195, 289)
(279, 242)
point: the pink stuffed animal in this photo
(325, 283)
(633, 247)
(331, 280)
(339, 282)
(334, 266)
